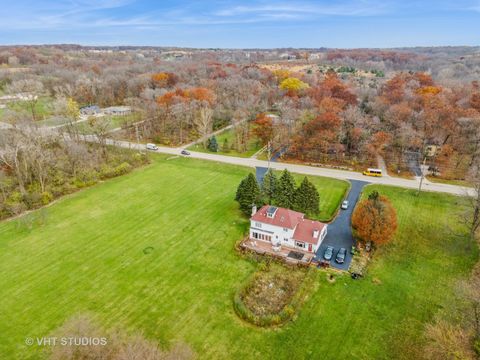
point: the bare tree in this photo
(471, 215)
(29, 91)
(100, 127)
(203, 122)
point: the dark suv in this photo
(342, 253)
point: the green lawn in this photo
(43, 108)
(434, 179)
(115, 121)
(331, 192)
(88, 257)
(252, 147)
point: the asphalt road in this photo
(339, 231)
(303, 169)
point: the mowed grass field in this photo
(253, 145)
(88, 257)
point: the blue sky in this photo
(242, 24)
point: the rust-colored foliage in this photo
(375, 219)
(180, 95)
(200, 94)
(333, 87)
(263, 128)
(164, 79)
(378, 141)
(393, 91)
(475, 101)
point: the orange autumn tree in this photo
(164, 79)
(263, 128)
(180, 95)
(375, 219)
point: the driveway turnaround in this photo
(339, 233)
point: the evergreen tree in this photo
(285, 191)
(240, 189)
(269, 187)
(314, 200)
(307, 198)
(248, 193)
(212, 144)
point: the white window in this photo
(258, 225)
(300, 244)
(285, 229)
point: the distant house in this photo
(284, 227)
(90, 110)
(118, 110)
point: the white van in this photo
(152, 147)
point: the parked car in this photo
(328, 254)
(152, 147)
(342, 253)
(185, 152)
(345, 205)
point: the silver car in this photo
(345, 205)
(328, 254)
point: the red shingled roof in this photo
(283, 217)
(305, 229)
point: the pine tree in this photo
(248, 193)
(240, 189)
(212, 144)
(269, 187)
(307, 198)
(301, 197)
(285, 191)
(313, 199)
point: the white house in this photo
(284, 227)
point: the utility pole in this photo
(268, 152)
(138, 138)
(423, 173)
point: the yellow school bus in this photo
(373, 172)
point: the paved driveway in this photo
(339, 231)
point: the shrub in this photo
(32, 200)
(476, 346)
(46, 197)
(263, 305)
(107, 171)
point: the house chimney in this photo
(315, 233)
(254, 209)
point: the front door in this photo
(310, 247)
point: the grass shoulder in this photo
(226, 145)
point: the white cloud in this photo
(75, 14)
(356, 8)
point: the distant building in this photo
(118, 110)
(90, 110)
(283, 227)
(432, 150)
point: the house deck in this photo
(263, 247)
